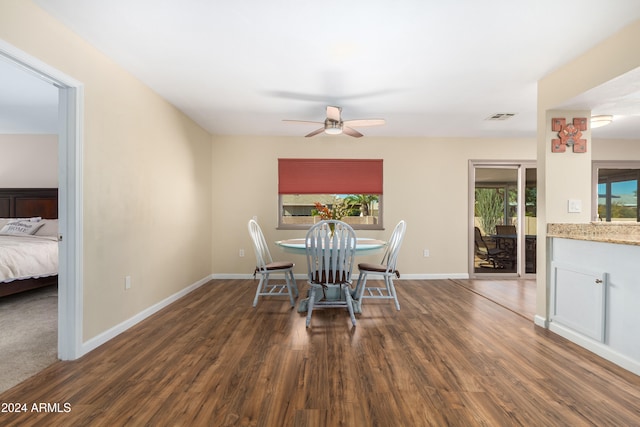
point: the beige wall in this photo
(612, 149)
(146, 177)
(425, 183)
(562, 172)
(28, 161)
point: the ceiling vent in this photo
(501, 116)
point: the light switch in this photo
(575, 206)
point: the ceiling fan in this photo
(334, 125)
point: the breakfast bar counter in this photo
(594, 283)
(627, 233)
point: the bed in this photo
(28, 239)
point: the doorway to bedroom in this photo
(69, 105)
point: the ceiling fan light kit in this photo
(599, 121)
(334, 125)
(332, 128)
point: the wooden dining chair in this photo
(265, 267)
(386, 269)
(330, 251)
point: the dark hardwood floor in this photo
(450, 357)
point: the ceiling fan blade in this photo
(351, 132)
(364, 122)
(303, 121)
(314, 133)
(333, 113)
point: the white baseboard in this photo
(102, 338)
(596, 347)
(540, 321)
(402, 276)
(439, 276)
(240, 276)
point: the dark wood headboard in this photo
(29, 202)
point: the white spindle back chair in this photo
(265, 267)
(330, 249)
(387, 269)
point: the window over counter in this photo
(347, 189)
(616, 186)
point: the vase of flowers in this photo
(324, 212)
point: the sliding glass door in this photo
(502, 219)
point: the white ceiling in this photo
(430, 68)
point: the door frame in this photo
(70, 124)
(520, 166)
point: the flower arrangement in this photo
(322, 211)
(339, 210)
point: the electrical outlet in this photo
(241, 252)
(127, 282)
(425, 253)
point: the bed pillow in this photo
(49, 228)
(4, 221)
(21, 227)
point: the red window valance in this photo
(330, 176)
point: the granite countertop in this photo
(627, 233)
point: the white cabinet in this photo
(595, 297)
(578, 299)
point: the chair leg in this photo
(392, 291)
(360, 286)
(263, 281)
(289, 288)
(347, 296)
(312, 298)
(295, 285)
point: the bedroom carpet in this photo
(28, 334)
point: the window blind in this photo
(330, 176)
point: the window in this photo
(352, 187)
(617, 191)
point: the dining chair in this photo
(386, 268)
(506, 230)
(506, 237)
(265, 267)
(490, 257)
(330, 252)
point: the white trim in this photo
(109, 334)
(240, 276)
(70, 136)
(596, 347)
(304, 276)
(37, 67)
(70, 289)
(541, 321)
(441, 276)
